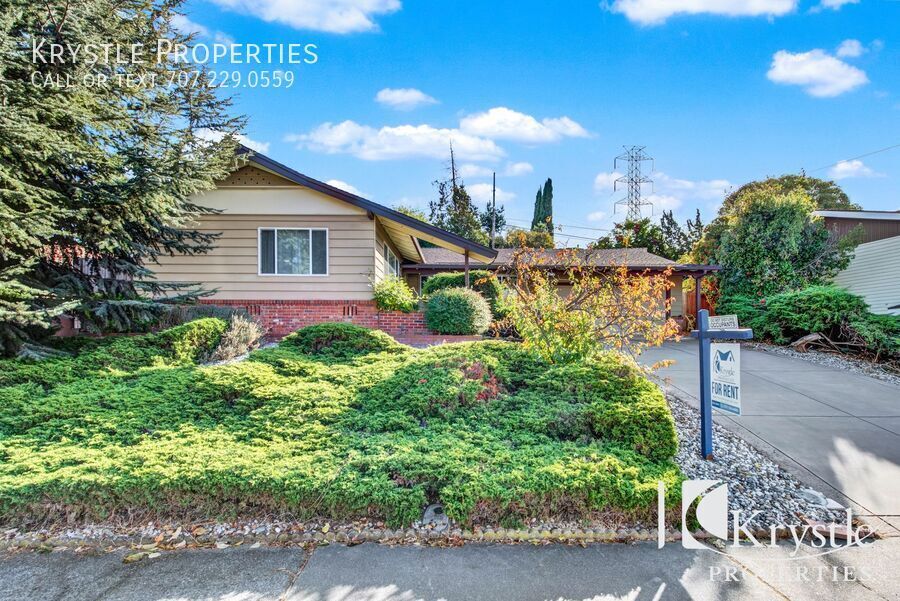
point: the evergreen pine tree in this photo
(675, 240)
(96, 180)
(694, 230)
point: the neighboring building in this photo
(874, 271)
(874, 274)
(438, 260)
(873, 225)
(295, 251)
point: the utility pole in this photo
(493, 209)
(635, 155)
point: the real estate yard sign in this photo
(725, 371)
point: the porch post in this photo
(467, 267)
(698, 279)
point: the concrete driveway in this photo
(836, 430)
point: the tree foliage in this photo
(636, 234)
(517, 238)
(453, 209)
(769, 242)
(611, 308)
(543, 208)
(825, 194)
(96, 178)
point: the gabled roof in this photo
(395, 222)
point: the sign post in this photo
(706, 333)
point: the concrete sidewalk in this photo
(836, 430)
(373, 572)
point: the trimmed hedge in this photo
(457, 311)
(481, 281)
(394, 294)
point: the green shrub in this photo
(829, 310)
(341, 341)
(394, 294)
(194, 341)
(481, 281)
(336, 422)
(457, 311)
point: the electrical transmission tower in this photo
(633, 180)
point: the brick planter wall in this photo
(281, 317)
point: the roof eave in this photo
(367, 205)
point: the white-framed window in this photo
(293, 251)
(390, 260)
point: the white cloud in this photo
(596, 216)
(344, 186)
(606, 181)
(215, 136)
(470, 170)
(850, 49)
(516, 169)
(669, 193)
(854, 168)
(511, 170)
(482, 193)
(654, 12)
(333, 16)
(506, 124)
(710, 189)
(820, 74)
(395, 142)
(664, 202)
(187, 27)
(403, 99)
(833, 4)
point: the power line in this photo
(579, 227)
(862, 156)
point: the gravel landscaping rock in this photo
(754, 482)
(850, 363)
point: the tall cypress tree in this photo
(96, 178)
(547, 198)
(543, 208)
(537, 219)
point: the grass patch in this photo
(337, 421)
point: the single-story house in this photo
(438, 260)
(874, 271)
(294, 251)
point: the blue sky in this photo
(555, 89)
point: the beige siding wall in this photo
(874, 274)
(233, 266)
(381, 236)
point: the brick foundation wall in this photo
(281, 317)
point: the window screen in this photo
(293, 252)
